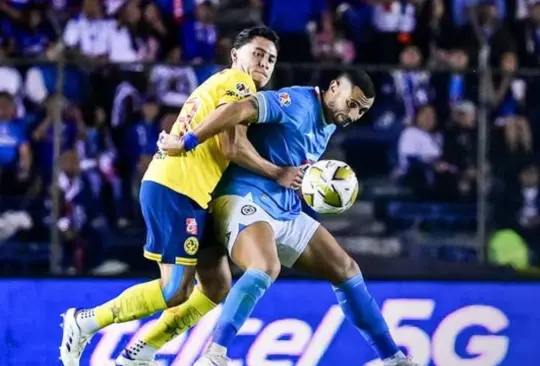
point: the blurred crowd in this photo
(131, 64)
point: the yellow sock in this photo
(134, 303)
(177, 320)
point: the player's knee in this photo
(271, 267)
(215, 284)
(177, 285)
(344, 269)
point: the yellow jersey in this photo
(196, 173)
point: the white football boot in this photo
(401, 362)
(126, 360)
(212, 359)
(73, 339)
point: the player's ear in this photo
(234, 55)
(333, 85)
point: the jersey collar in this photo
(318, 93)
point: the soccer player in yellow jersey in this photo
(174, 198)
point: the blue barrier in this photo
(296, 323)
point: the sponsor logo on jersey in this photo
(191, 226)
(284, 99)
(248, 210)
(242, 89)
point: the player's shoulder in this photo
(296, 96)
(238, 76)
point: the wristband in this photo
(190, 141)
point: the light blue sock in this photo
(239, 304)
(362, 310)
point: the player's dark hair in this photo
(245, 36)
(362, 80)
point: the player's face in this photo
(347, 102)
(257, 58)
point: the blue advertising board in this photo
(296, 323)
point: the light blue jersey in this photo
(291, 131)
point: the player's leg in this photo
(250, 240)
(162, 210)
(214, 281)
(324, 258)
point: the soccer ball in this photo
(330, 187)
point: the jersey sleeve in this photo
(270, 109)
(282, 106)
(237, 86)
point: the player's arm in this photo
(261, 107)
(237, 148)
(226, 118)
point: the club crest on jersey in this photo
(242, 89)
(191, 245)
(284, 99)
(248, 210)
(191, 226)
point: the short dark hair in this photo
(362, 80)
(245, 36)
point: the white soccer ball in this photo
(330, 187)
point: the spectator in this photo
(73, 129)
(159, 28)
(139, 146)
(128, 43)
(457, 85)
(290, 21)
(15, 153)
(507, 92)
(356, 18)
(88, 32)
(81, 223)
(460, 146)
(407, 88)
(41, 80)
(98, 154)
(171, 82)
(434, 32)
(487, 29)
(519, 208)
(11, 83)
(199, 35)
(394, 22)
(34, 35)
(235, 15)
(420, 152)
(142, 136)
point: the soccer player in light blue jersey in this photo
(262, 224)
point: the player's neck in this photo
(328, 120)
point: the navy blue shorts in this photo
(174, 225)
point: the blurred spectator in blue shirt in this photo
(34, 34)
(15, 153)
(141, 138)
(199, 35)
(356, 17)
(290, 20)
(73, 128)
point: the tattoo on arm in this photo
(254, 116)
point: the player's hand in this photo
(290, 177)
(170, 144)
